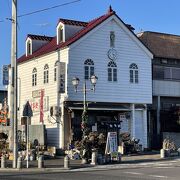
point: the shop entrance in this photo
(100, 121)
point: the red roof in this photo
(52, 45)
(73, 22)
(39, 37)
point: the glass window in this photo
(88, 68)
(133, 73)
(176, 73)
(136, 76)
(166, 73)
(109, 74)
(61, 34)
(131, 76)
(158, 72)
(34, 77)
(112, 71)
(29, 51)
(46, 74)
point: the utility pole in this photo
(13, 84)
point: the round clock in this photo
(112, 54)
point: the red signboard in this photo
(41, 107)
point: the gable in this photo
(123, 27)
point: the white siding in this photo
(95, 47)
(166, 88)
(36, 44)
(70, 30)
(26, 88)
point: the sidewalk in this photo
(57, 164)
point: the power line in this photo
(42, 10)
(46, 9)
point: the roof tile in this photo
(73, 22)
(39, 37)
(52, 45)
(161, 44)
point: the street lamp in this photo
(75, 82)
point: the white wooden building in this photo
(106, 47)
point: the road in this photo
(148, 171)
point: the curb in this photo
(122, 165)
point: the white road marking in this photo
(164, 167)
(134, 173)
(157, 176)
(163, 164)
(173, 161)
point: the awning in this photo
(101, 106)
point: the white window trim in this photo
(28, 41)
(60, 26)
(112, 72)
(134, 70)
(89, 68)
(46, 75)
(34, 77)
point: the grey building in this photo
(164, 115)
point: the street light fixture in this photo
(93, 81)
(75, 82)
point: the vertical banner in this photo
(5, 75)
(62, 77)
(41, 107)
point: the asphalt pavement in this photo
(155, 170)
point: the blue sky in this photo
(152, 15)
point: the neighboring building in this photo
(106, 47)
(165, 118)
(3, 95)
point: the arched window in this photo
(46, 74)
(34, 77)
(55, 70)
(28, 48)
(112, 71)
(88, 68)
(133, 73)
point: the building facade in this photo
(164, 113)
(106, 47)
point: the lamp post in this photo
(75, 81)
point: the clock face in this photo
(112, 54)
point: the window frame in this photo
(29, 48)
(112, 72)
(133, 73)
(46, 74)
(88, 68)
(34, 77)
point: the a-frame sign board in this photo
(111, 145)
